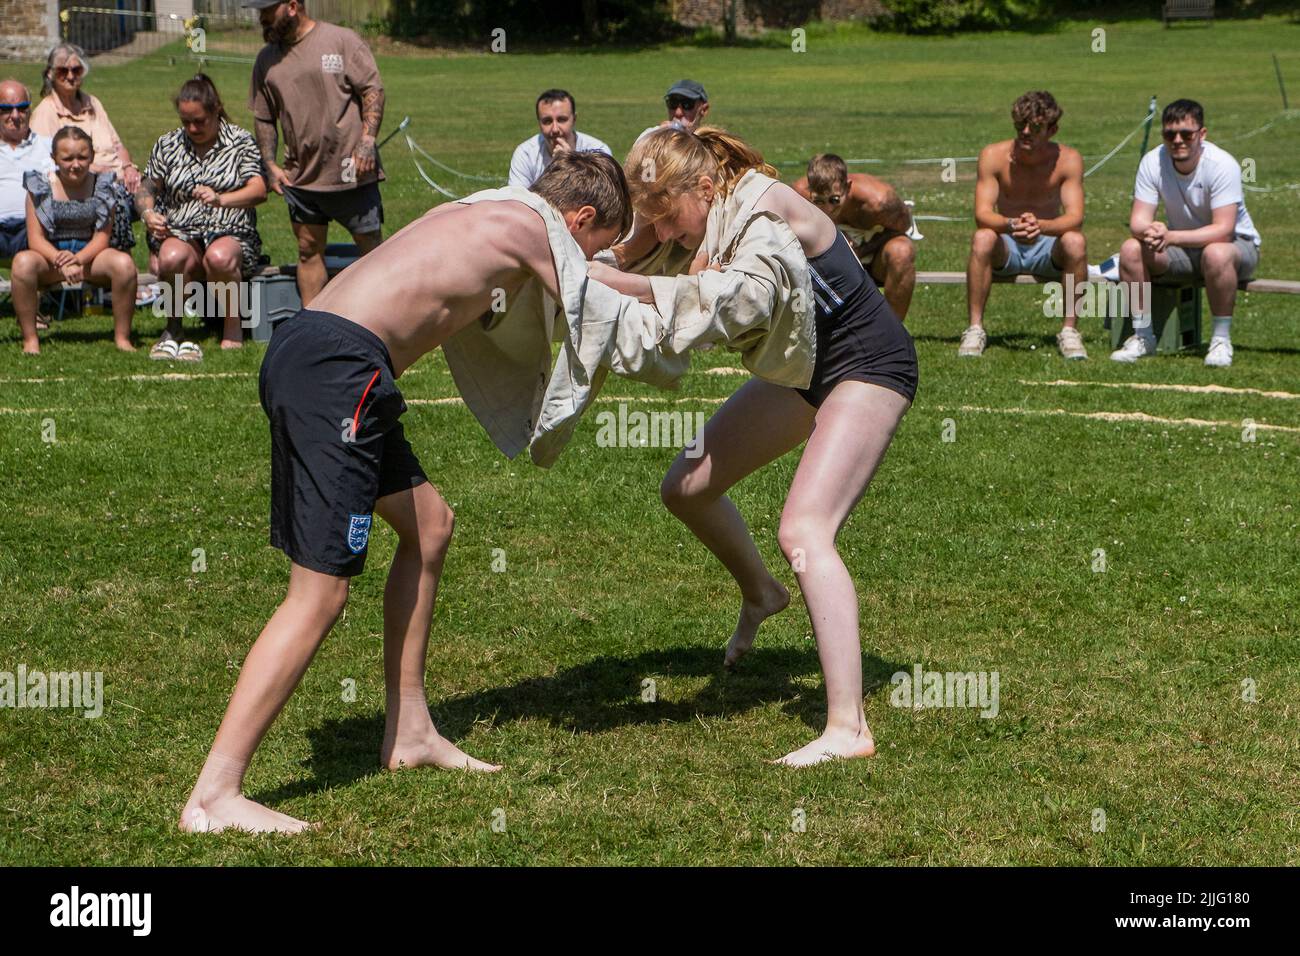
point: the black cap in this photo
(688, 88)
(260, 4)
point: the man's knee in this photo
(1219, 258)
(984, 243)
(1074, 248)
(900, 255)
(310, 247)
(367, 241)
(1130, 250)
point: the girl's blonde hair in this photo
(669, 162)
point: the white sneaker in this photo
(973, 341)
(1220, 353)
(1070, 342)
(1135, 347)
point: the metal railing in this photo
(219, 30)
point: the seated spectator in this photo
(687, 104)
(69, 220)
(1209, 236)
(21, 152)
(64, 103)
(556, 115)
(872, 218)
(196, 199)
(1029, 217)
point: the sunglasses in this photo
(15, 107)
(831, 200)
(69, 71)
(1172, 134)
(684, 102)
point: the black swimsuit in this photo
(858, 335)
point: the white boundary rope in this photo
(1105, 159)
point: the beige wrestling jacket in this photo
(503, 365)
(760, 306)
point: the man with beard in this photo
(320, 83)
(557, 116)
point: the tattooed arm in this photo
(372, 116)
(268, 144)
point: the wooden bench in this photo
(1175, 309)
(1187, 10)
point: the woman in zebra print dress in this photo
(197, 197)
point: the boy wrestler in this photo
(338, 454)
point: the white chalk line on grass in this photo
(1137, 417)
(1154, 387)
(602, 400)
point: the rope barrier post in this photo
(1280, 85)
(1146, 133)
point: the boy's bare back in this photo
(440, 273)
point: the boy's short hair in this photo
(1036, 106)
(594, 179)
(826, 173)
(1181, 109)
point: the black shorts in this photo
(864, 345)
(322, 374)
(360, 211)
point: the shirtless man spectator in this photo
(1029, 217)
(872, 218)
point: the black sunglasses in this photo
(1172, 134)
(684, 102)
(15, 107)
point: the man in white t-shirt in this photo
(1209, 235)
(556, 116)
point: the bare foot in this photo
(124, 345)
(237, 813)
(31, 350)
(774, 600)
(432, 751)
(228, 344)
(832, 745)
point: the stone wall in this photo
(28, 28)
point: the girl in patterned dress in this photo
(69, 224)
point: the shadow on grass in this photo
(600, 695)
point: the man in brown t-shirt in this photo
(320, 82)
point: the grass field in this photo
(1120, 690)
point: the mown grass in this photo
(1120, 690)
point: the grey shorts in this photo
(360, 211)
(1185, 262)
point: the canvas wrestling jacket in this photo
(526, 397)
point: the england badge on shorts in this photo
(358, 533)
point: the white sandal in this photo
(165, 350)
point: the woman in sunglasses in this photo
(65, 103)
